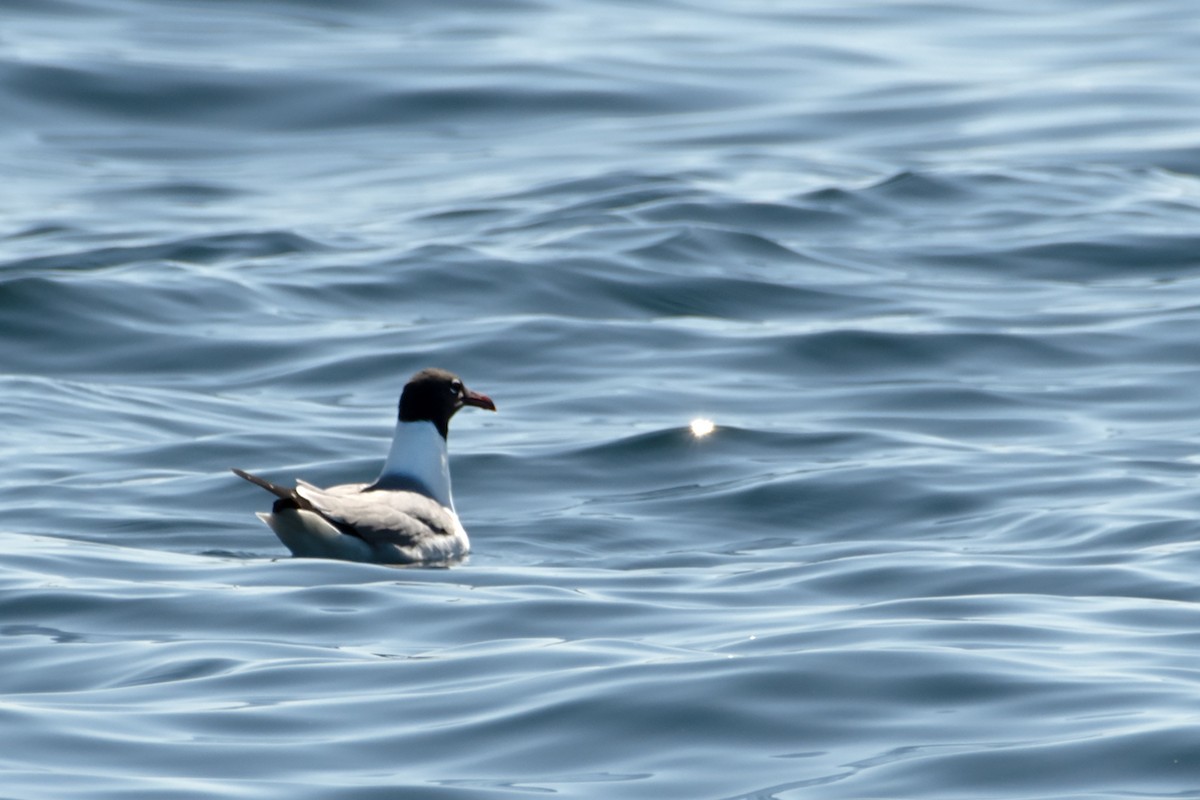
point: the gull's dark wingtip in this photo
(279, 491)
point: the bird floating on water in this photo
(407, 515)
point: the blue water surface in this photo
(932, 269)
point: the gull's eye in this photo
(456, 387)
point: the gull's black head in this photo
(435, 395)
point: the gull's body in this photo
(406, 516)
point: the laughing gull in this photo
(407, 515)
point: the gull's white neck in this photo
(419, 453)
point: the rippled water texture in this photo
(931, 269)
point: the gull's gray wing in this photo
(381, 517)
